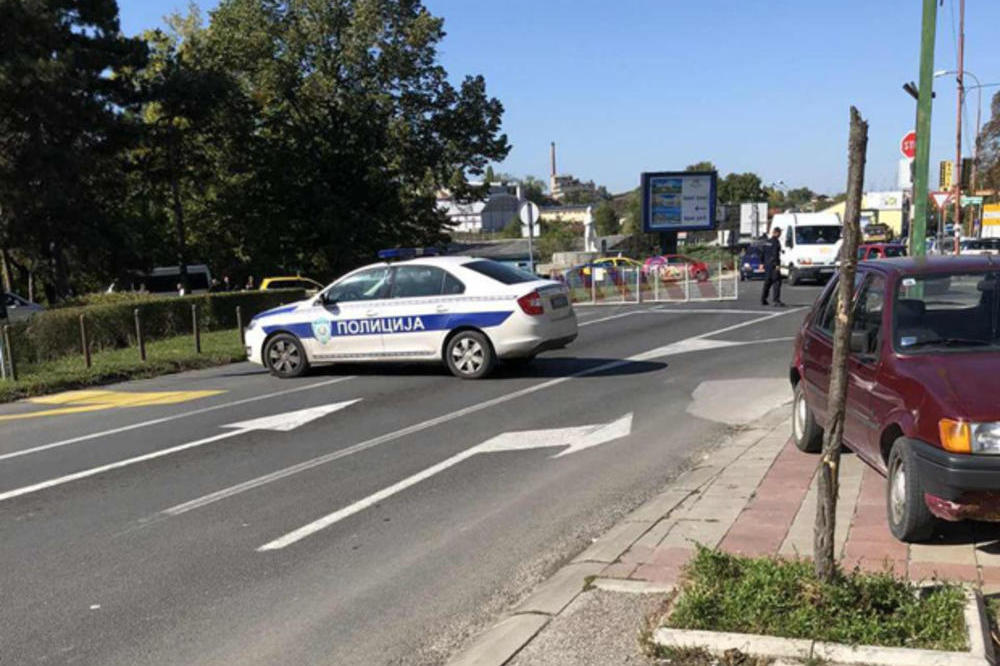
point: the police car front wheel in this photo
(469, 355)
(284, 356)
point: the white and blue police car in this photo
(468, 312)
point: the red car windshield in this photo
(957, 311)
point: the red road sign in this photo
(908, 145)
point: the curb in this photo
(717, 643)
(500, 643)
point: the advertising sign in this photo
(991, 215)
(678, 201)
(884, 200)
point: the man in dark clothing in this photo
(772, 268)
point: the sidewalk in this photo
(755, 494)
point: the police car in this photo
(469, 313)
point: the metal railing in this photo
(592, 284)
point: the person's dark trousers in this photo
(772, 283)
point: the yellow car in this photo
(613, 262)
(291, 282)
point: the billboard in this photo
(678, 201)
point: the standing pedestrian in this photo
(249, 285)
(226, 284)
(772, 268)
(180, 289)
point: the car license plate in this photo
(826, 270)
(559, 301)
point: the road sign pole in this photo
(918, 230)
(531, 249)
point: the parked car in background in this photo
(979, 246)
(752, 262)
(880, 251)
(671, 267)
(19, 309)
(922, 385)
(877, 233)
(291, 282)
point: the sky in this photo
(751, 85)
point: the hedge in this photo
(56, 333)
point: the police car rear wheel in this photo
(469, 355)
(285, 357)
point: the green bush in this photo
(56, 333)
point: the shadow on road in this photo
(541, 368)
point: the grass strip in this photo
(163, 357)
(775, 597)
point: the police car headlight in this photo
(252, 325)
(746, 265)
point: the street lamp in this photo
(979, 108)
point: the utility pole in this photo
(958, 123)
(918, 231)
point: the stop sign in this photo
(908, 145)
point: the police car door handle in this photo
(371, 313)
(442, 308)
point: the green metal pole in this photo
(918, 229)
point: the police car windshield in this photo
(500, 272)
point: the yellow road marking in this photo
(91, 400)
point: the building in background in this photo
(487, 216)
(562, 186)
(887, 208)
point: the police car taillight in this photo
(531, 303)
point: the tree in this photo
(190, 110)
(988, 163)
(534, 191)
(355, 128)
(741, 187)
(490, 177)
(62, 137)
(606, 220)
(512, 229)
(799, 197)
(557, 236)
(701, 166)
(829, 463)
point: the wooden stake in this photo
(239, 325)
(84, 343)
(194, 327)
(10, 353)
(138, 336)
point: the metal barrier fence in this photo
(667, 283)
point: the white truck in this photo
(810, 243)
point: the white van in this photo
(810, 243)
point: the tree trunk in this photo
(178, 208)
(829, 464)
(5, 270)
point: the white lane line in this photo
(663, 310)
(115, 465)
(231, 491)
(166, 419)
(284, 422)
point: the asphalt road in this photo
(197, 554)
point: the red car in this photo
(923, 397)
(881, 250)
(670, 267)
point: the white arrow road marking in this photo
(173, 417)
(279, 423)
(326, 458)
(576, 439)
